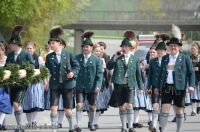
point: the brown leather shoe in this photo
(137, 125)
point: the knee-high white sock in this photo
(28, 117)
(136, 116)
(60, 116)
(155, 117)
(96, 118)
(183, 110)
(4, 122)
(194, 106)
(2, 117)
(34, 116)
(150, 116)
(88, 116)
(174, 111)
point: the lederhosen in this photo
(170, 93)
(66, 95)
(124, 93)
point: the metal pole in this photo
(78, 41)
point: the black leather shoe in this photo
(198, 110)
(77, 129)
(92, 128)
(123, 130)
(152, 129)
(150, 123)
(174, 120)
(137, 125)
(96, 126)
(131, 130)
(184, 116)
(18, 130)
(71, 130)
(59, 125)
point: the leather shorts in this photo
(17, 94)
(66, 95)
(124, 94)
(91, 97)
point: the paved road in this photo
(110, 122)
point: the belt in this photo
(169, 84)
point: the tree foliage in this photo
(38, 16)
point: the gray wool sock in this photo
(79, 112)
(92, 113)
(129, 115)
(70, 120)
(179, 121)
(54, 120)
(18, 116)
(163, 120)
(123, 118)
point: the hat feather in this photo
(157, 36)
(16, 30)
(164, 36)
(129, 34)
(176, 31)
(56, 31)
(183, 36)
(87, 34)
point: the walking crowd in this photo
(92, 81)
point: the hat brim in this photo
(87, 44)
(161, 48)
(125, 45)
(174, 43)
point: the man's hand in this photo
(70, 75)
(140, 91)
(96, 90)
(196, 68)
(156, 90)
(190, 89)
(46, 87)
(116, 55)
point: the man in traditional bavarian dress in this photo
(89, 80)
(176, 71)
(61, 81)
(126, 76)
(154, 68)
(17, 56)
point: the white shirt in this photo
(86, 58)
(127, 56)
(159, 60)
(17, 53)
(58, 55)
(172, 61)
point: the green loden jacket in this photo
(56, 69)
(120, 67)
(183, 72)
(153, 72)
(90, 75)
(23, 56)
